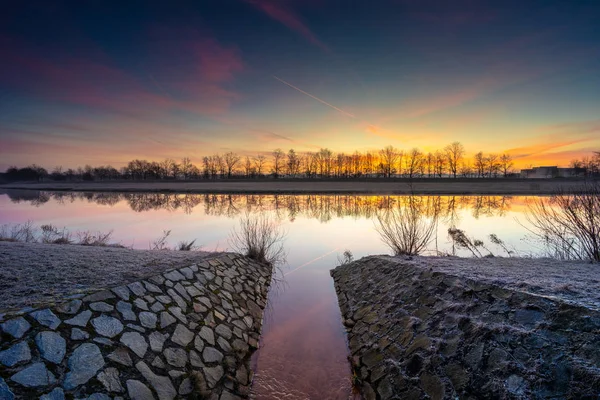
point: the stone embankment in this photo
(419, 333)
(185, 333)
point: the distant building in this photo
(552, 172)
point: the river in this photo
(303, 352)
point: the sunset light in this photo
(75, 92)
(300, 199)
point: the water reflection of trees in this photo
(317, 206)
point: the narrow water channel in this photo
(303, 352)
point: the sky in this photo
(97, 82)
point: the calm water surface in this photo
(303, 349)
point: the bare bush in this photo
(405, 229)
(260, 238)
(345, 258)
(161, 243)
(5, 233)
(51, 234)
(568, 223)
(89, 238)
(187, 246)
(18, 233)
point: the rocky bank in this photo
(417, 331)
(183, 333)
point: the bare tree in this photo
(211, 166)
(369, 164)
(413, 162)
(492, 165)
(175, 169)
(479, 164)
(440, 163)
(506, 164)
(454, 154)
(356, 164)
(324, 162)
(259, 164)
(231, 160)
(429, 162)
(310, 165)
(186, 167)
(293, 163)
(465, 170)
(278, 155)
(248, 168)
(389, 157)
(221, 165)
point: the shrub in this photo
(259, 238)
(568, 223)
(405, 229)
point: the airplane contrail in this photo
(312, 261)
(315, 97)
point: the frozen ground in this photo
(35, 272)
(570, 281)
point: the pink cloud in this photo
(279, 12)
(97, 84)
(559, 142)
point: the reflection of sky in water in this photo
(303, 353)
(315, 225)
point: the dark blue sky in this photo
(103, 82)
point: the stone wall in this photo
(417, 333)
(186, 333)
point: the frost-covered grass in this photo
(34, 272)
(571, 281)
(51, 234)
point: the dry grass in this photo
(51, 234)
(18, 233)
(88, 238)
(54, 235)
(345, 258)
(161, 243)
(187, 246)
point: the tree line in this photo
(451, 161)
(591, 164)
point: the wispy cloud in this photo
(559, 140)
(279, 12)
(316, 98)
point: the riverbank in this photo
(471, 328)
(175, 326)
(32, 273)
(399, 186)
